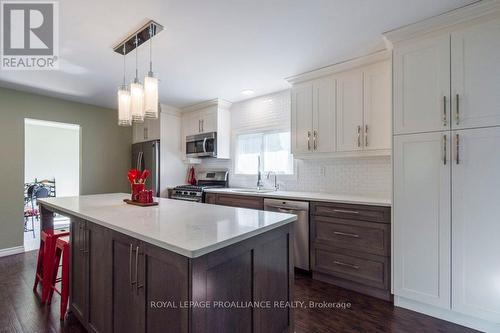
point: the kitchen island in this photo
(176, 267)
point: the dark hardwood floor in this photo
(21, 311)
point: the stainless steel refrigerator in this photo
(146, 155)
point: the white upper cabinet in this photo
(422, 218)
(343, 110)
(302, 110)
(476, 222)
(201, 121)
(422, 86)
(324, 115)
(475, 64)
(146, 131)
(208, 119)
(313, 116)
(350, 111)
(377, 106)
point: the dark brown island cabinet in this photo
(121, 284)
(350, 244)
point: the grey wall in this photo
(105, 152)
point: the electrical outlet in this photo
(322, 171)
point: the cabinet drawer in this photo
(368, 237)
(355, 212)
(371, 272)
(240, 201)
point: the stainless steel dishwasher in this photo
(301, 227)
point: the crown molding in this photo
(340, 67)
(219, 102)
(168, 109)
(442, 21)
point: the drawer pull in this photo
(340, 233)
(346, 265)
(346, 211)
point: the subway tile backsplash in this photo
(366, 176)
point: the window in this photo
(273, 149)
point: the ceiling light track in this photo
(143, 34)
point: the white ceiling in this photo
(214, 48)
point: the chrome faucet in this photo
(259, 175)
(276, 185)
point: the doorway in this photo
(51, 169)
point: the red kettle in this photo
(191, 179)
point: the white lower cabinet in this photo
(476, 223)
(422, 217)
(447, 220)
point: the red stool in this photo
(62, 250)
(45, 260)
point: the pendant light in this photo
(124, 116)
(151, 84)
(137, 92)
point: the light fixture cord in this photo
(124, 65)
(151, 50)
(136, 59)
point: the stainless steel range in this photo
(205, 180)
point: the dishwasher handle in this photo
(284, 210)
(289, 211)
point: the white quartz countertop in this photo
(310, 196)
(187, 228)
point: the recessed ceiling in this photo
(214, 49)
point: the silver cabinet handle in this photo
(457, 109)
(346, 211)
(366, 135)
(81, 233)
(445, 117)
(131, 250)
(346, 234)
(137, 285)
(199, 125)
(445, 143)
(203, 125)
(346, 265)
(359, 136)
(145, 133)
(308, 140)
(457, 153)
(85, 238)
(315, 134)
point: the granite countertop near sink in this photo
(309, 196)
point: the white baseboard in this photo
(11, 250)
(448, 315)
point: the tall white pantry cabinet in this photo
(446, 208)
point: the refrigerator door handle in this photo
(156, 164)
(139, 161)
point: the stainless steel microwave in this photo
(202, 145)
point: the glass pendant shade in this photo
(151, 97)
(137, 102)
(124, 115)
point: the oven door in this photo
(201, 145)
